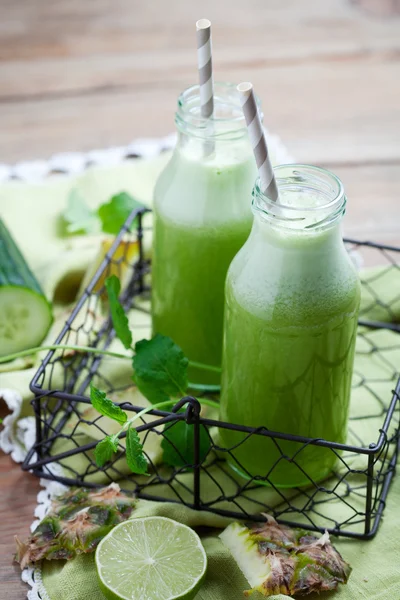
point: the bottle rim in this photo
(227, 121)
(305, 179)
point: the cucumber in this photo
(25, 313)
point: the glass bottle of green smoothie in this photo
(202, 217)
(292, 300)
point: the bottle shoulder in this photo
(190, 191)
(279, 286)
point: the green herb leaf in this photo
(114, 213)
(134, 452)
(78, 216)
(119, 318)
(178, 444)
(105, 406)
(105, 450)
(160, 369)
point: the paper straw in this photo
(204, 61)
(257, 140)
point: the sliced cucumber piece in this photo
(25, 313)
(25, 318)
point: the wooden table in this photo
(82, 75)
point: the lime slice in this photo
(153, 558)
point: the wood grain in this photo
(18, 493)
(76, 77)
(81, 75)
(325, 113)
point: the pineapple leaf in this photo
(76, 523)
(160, 369)
(105, 450)
(276, 559)
(105, 406)
(118, 316)
(134, 453)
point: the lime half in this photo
(153, 558)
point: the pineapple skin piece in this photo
(276, 559)
(78, 520)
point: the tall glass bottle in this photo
(292, 300)
(202, 217)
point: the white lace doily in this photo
(73, 163)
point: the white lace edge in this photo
(33, 575)
(18, 435)
(73, 163)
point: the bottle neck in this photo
(311, 201)
(298, 242)
(222, 137)
(215, 152)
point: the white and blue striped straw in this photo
(258, 141)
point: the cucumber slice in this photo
(25, 318)
(25, 313)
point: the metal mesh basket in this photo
(349, 503)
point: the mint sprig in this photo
(160, 373)
(134, 452)
(105, 450)
(105, 406)
(107, 447)
(108, 218)
(118, 316)
(160, 369)
(79, 218)
(178, 444)
(114, 213)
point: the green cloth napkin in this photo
(33, 214)
(77, 579)
(375, 573)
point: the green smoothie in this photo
(202, 217)
(292, 299)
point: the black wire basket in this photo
(349, 503)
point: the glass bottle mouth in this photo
(310, 198)
(227, 121)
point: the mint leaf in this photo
(78, 216)
(118, 316)
(178, 444)
(105, 450)
(105, 406)
(160, 369)
(114, 213)
(134, 452)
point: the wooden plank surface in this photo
(76, 77)
(81, 75)
(18, 493)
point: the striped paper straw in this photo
(257, 140)
(204, 61)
